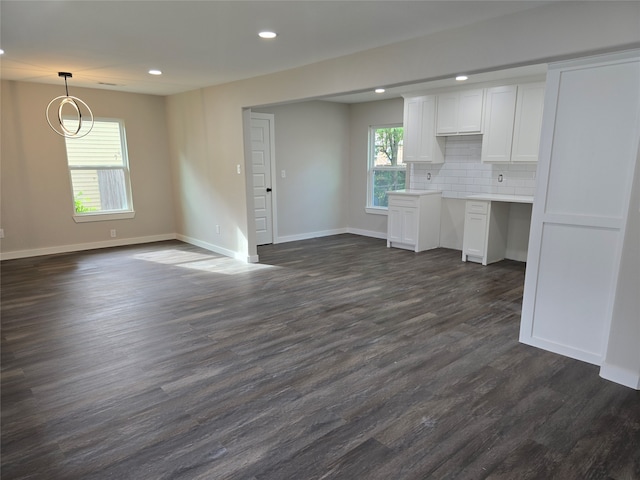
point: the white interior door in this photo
(261, 153)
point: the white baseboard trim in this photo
(623, 376)
(78, 247)
(560, 349)
(218, 249)
(367, 233)
(307, 236)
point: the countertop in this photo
(496, 197)
(415, 192)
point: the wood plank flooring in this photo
(334, 358)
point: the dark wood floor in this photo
(333, 358)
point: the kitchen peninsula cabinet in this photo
(413, 221)
(460, 113)
(420, 141)
(512, 123)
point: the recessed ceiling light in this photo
(155, 72)
(267, 34)
(462, 78)
(379, 90)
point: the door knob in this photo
(268, 189)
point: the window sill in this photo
(377, 210)
(103, 217)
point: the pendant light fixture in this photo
(77, 107)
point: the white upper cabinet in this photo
(448, 113)
(528, 122)
(498, 122)
(420, 142)
(460, 113)
(512, 122)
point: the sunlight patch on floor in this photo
(201, 261)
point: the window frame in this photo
(100, 216)
(371, 168)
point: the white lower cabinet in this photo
(485, 231)
(413, 221)
(475, 235)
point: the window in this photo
(386, 171)
(99, 172)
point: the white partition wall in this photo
(588, 155)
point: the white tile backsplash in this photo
(463, 174)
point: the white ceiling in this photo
(204, 43)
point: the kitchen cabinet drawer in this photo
(476, 206)
(402, 201)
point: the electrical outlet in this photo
(238, 169)
(113, 233)
(283, 174)
(500, 178)
(1, 232)
(218, 229)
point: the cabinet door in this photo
(470, 111)
(528, 123)
(431, 148)
(409, 226)
(498, 124)
(475, 234)
(394, 224)
(412, 128)
(420, 142)
(447, 113)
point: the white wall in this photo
(312, 147)
(192, 174)
(361, 117)
(36, 198)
